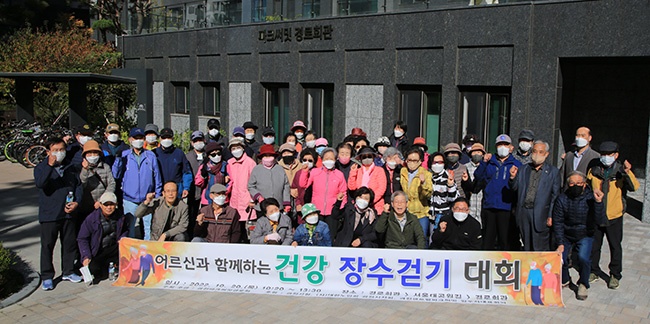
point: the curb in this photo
(32, 279)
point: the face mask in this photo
(476, 158)
(137, 143)
(367, 162)
(219, 200)
(215, 159)
(199, 157)
(581, 142)
(152, 138)
(83, 139)
(166, 143)
(453, 158)
(268, 161)
(607, 160)
(537, 159)
(524, 146)
(391, 164)
(310, 144)
(412, 166)
(329, 164)
(398, 133)
(574, 191)
(461, 217)
(292, 143)
(274, 217)
(268, 140)
(437, 168)
(60, 155)
(288, 160)
(320, 149)
(361, 203)
(344, 160)
(312, 219)
(113, 137)
(299, 135)
(92, 159)
(309, 164)
(213, 132)
(250, 136)
(503, 151)
(237, 153)
(199, 146)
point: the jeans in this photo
(584, 247)
(129, 212)
(424, 222)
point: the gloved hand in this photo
(204, 171)
(273, 237)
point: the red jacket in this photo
(377, 183)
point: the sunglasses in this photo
(307, 160)
(215, 154)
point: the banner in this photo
(473, 277)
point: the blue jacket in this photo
(53, 189)
(138, 179)
(321, 236)
(111, 152)
(548, 189)
(91, 232)
(175, 167)
(577, 218)
(492, 177)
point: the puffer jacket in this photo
(95, 180)
(576, 218)
(492, 177)
(418, 193)
(263, 228)
(377, 183)
(326, 185)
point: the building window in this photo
(181, 98)
(319, 109)
(420, 110)
(355, 7)
(486, 114)
(277, 108)
(211, 99)
(310, 8)
(222, 12)
(258, 10)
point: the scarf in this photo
(367, 215)
(310, 229)
(366, 175)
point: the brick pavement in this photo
(103, 303)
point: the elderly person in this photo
(457, 231)
(523, 151)
(170, 215)
(417, 183)
(579, 159)
(274, 227)
(239, 169)
(288, 160)
(369, 175)
(476, 153)
(445, 191)
(210, 172)
(268, 180)
(399, 228)
(96, 179)
(99, 234)
(393, 160)
(358, 220)
(313, 232)
(174, 166)
(217, 222)
(452, 154)
(537, 185)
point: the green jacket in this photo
(395, 237)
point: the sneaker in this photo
(73, 277)
(593, 277)
(48, 284)
(613, 283)
(582, 292)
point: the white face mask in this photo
(525, 146)
(398, 133)
(461, 217)
(361, 203)
(60, 155)
(199, 157)
(607, 160)
(213, 132)
(309, 164)
(219, 200)
(329, 164)
(312, 219)
(274, 217)
(237, 153)
(391, 165)
(113, 137)
(250, 136)
(581, 142)
(92, 159)
(310, 144)
(199, 146)
(166, 143)
(137, 143)
(503, 151)
(151, 138)
(268, 140)
(83, 139)
(437, 168)
(299, 135)
(215, 159)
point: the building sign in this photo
(298, 34)
(470, 277)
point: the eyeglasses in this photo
(307, 160)
(215, 154)
(571, 184)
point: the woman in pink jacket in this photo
(327, 184)
(369, 175)
(239, 170)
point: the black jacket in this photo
(464, 235)
(576, 218)
(397, 186)
(345, 237)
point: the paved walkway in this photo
(103, 303)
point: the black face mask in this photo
(574, 191)
(288, 159)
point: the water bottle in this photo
(69, 198)
(111, 272)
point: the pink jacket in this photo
(377, 183)
(239, 171)
(326, 185)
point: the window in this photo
(211, 99)
(354, 7)
(181, 98)
(486, 114)
(258, 10)
(277, 108)
(420, 110)
(310, 8)
(223, 12)
(319, 109)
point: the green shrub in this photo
(6, 259)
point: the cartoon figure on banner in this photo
(535, 279)
(146, 264)
(550, 286)
(132, 268)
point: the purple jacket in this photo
(91, 231)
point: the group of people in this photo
(301, 190)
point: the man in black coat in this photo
(457, 231)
